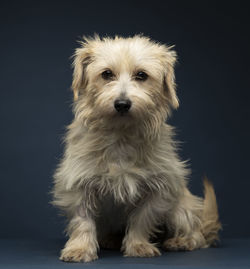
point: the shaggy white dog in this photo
(120, 181)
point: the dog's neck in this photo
(119, 144)
(131, 134)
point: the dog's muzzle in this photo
(122, 106)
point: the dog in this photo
(120, 182)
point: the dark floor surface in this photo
(18, 253)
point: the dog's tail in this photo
(210, 217)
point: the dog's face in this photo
(123, 81)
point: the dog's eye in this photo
(141, 76)
(107, 74)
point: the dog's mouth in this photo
(123, 114)
(121, 118)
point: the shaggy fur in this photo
(120, 181)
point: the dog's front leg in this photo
(141, 225)
(82, 244)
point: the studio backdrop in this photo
(212, 74)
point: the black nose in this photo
(122, 105)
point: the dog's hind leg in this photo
(184, 224)
(194, 222)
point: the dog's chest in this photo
(120, 156)
(121, 168)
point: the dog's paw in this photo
(142, 250)
(77, 255)
(180, 244)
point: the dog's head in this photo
(123, 81)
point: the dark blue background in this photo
(37, 40)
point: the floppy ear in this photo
(81, 60)
(169, 78)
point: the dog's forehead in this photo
(126, 54)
